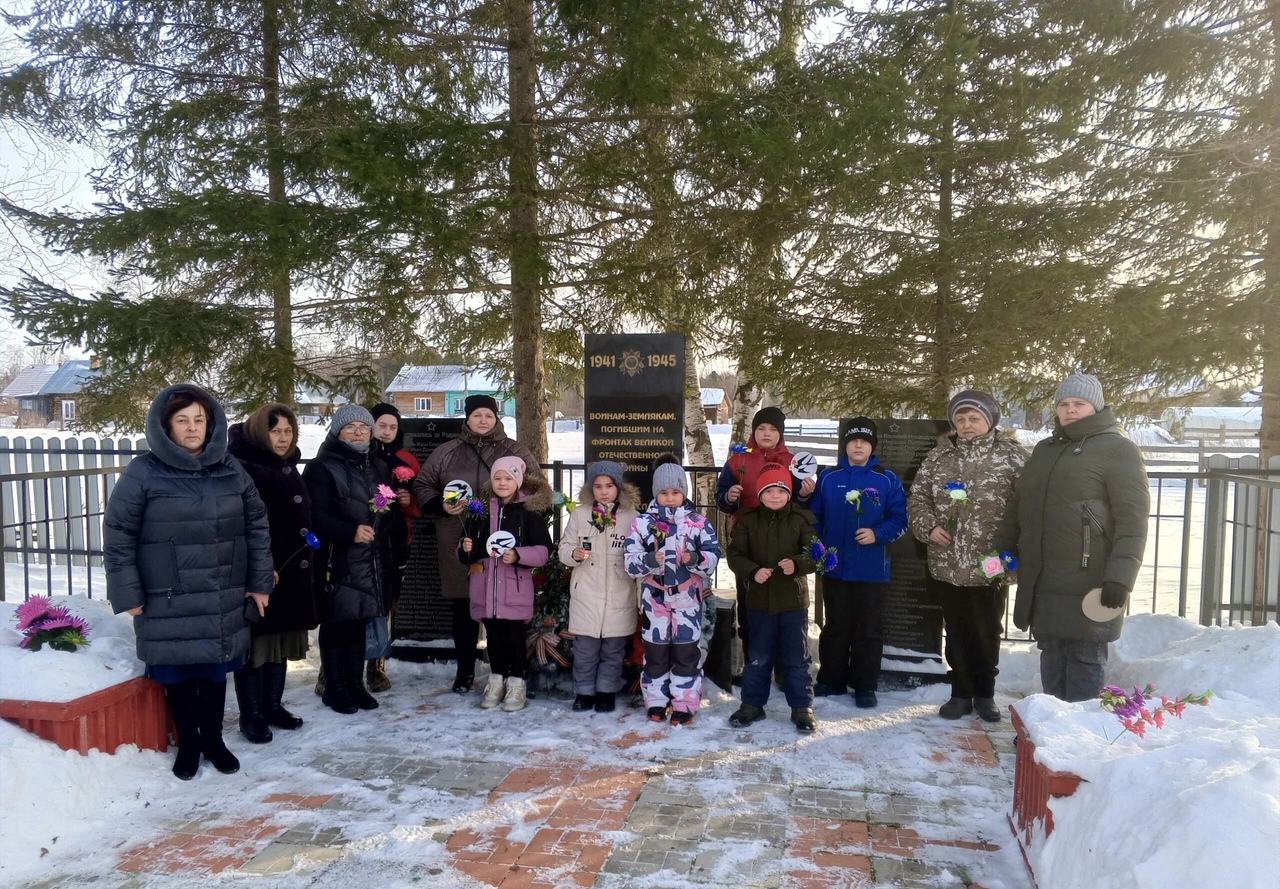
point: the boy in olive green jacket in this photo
(770, 553)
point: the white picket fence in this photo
(63, 511)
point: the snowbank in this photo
(47, 675)
(1156, 811)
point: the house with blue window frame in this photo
(439, 390)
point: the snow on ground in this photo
(1158, 812)
(49, 675)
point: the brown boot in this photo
(376, 675)
(320, 681)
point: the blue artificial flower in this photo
(1010, 561)
(312, 540)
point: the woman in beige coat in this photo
(603, 599)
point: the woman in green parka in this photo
(1078, 522)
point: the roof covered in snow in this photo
(443, 378)
(29, 381)
(712, 397)
(68, 378)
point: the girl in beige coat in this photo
(603, 599)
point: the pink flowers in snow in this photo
(1135, 712)
(43, 622)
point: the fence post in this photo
(1215, 531)
(75, 503)
(9, 537)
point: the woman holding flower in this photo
(188, 554)
(468, 458)
(266, 444)
(604, 600)
(351, 517)
(388, 445)
(860, 509)
(955, 507)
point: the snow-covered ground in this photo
(1194, 804)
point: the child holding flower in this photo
(860, 509)
(501, 578)
(983, 465)
(603, 597)
(673, 549)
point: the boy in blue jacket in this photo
(860, 509)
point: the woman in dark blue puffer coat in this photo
(188, 554)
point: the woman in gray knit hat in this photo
(343, 480)
(1078, 521)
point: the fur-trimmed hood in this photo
(535, 493)
(628, 497)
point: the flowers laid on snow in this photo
(823, 558)
(42, 622)
(1135, 711)
(995, 565)
(382, 498)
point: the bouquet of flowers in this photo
(960, 495)
(1135, 713)
(548, 643)
(558, 499)
(43, 622)
(996, 565)
(824, 558)
(382, 499)
(602, 517)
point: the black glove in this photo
(1114, 595)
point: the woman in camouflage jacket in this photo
(956, 503)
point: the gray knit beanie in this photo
(1085, 386)
(670, 475)
(349, 413)
(975, 399)
(605, 467)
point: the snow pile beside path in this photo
(56, 800)
(1156, 810)
(49, 675)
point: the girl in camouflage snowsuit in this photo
(674, 550)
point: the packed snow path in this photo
(430, 790)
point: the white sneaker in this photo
(492, 692)
(515, 695)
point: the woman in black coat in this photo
(266, 444)
(343, 480)
(188, 554)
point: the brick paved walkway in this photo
(431, 791)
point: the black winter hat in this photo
(771, 415)
(381, 409)
(863, 428)
(475, 402)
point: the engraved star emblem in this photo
(431, 427)
(631, 363)
(894, 427)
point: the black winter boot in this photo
(955, 708)
(253, 725)
(273, 676)
(355, 678)
(745, 715)
(583, 702)
(605, 701)
(213, 705)
(804, 720)
(333, 665)
(987, 709)
(184, 707)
